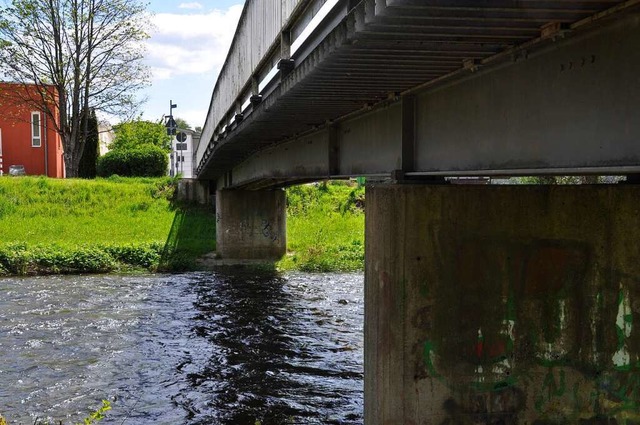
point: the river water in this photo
(197, 348)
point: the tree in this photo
(182, 124)
(90, 154)
(133, 134)
(80, 55)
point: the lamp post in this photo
(171, 131)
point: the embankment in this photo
(52, 226)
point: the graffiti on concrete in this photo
(268, 231)
(531, 315)
(497, 407)
(249, 229)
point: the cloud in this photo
(192, 43)
(194, 117)
(194, 5)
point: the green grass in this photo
(69, 213)
(96, 226)
(192, 235)
(104, 225)
(325, 228)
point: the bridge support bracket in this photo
(286, 65)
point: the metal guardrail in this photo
(268, 38)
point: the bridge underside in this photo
(489, 304)
(392, 91)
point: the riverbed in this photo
(196, 348)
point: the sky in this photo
(188, 45)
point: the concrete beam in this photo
(570, 107)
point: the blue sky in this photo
(185, 52)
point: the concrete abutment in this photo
(251, 224)
(502, 305)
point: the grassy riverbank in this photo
(86, 226)
(325, 228)
(118, 224)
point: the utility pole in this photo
(171, 131)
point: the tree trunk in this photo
(71, 156)
(70, 167)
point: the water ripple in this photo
(199, 348)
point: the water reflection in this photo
(197, 348)
(277, 351)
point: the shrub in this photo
(130, 135)
(144, 161)
(20, 259)
(146, 255)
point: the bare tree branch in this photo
(79, 55)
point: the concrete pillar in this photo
(251, 224)
(502, 305)
(192, 190)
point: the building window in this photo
(36, 139)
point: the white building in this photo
(182, 153)
(106, 135)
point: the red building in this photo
(27, 134)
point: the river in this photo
(196, 348)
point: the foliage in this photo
(124, 219)
(330, 197)
(561, 180)
(182, 124)
(99, 226)
(325, 227)
(93, 224)
(89, 160)
(98, 415)
(134, 134)
(22, 259)
(143, 161)
(80, 54)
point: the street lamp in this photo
(171, 131)
(171, 123)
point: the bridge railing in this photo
(268, 32)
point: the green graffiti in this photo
(624, 325)
(425, 289)
(625, 391)
(551, 388)
(428, 355)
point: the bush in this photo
(145, 255)
(144, 161)
(130, 135)
(20, 259)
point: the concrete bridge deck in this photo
(368, 87)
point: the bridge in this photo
(496, 304)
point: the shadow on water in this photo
(192, 234)
(266, 363)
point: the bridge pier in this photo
(502, 305)
(251, 224)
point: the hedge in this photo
(144, 161)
